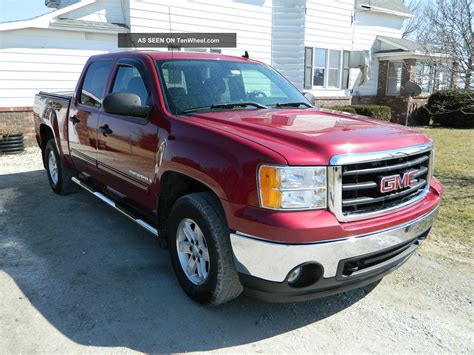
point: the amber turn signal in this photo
(269, 179)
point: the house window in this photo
(394, 78)
(334, 70)
(319, 74)
(345, 70)
(432, 77)
(308, 67)
(326, 68)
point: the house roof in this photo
(88, 26)
(43, 21)
(402, 43)
(407, 48)
(394, 7)
(53, 20)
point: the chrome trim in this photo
(112, 204)
(354, 158)
(273, 261)
(335, 179)
(388, 168)
(366, 200)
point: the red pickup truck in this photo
(251, 187)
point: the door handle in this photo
(105, 129)
(74, 119)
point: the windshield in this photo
(208, 85)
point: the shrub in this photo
(419, 117)
(374, 111)
(344, 108)
(452, 108)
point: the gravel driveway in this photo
(76, 276)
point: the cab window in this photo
(129, 79)
(92, 91)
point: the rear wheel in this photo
(59, 176)
(200, 250)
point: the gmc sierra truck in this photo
(249, 185)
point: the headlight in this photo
(292, 188)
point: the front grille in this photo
(361, 183)
(356, 181)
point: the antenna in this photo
(246, 55)
(170, 74)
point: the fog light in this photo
(294, 275)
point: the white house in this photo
(336, 49)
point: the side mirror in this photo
(125, 104)
(310, 97)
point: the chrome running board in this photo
(113, 204)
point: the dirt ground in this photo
(76, 276)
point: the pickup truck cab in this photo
(251, 187)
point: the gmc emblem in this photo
(396, 182)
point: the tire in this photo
(222, 283)
(12, 145)
(59, 178)
(15, 149)
(11, 140)
(11, 136)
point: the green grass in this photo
(454, 167)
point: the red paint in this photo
(222, 150)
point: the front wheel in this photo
(200, 250)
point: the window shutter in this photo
(308, 67)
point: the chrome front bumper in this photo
(271, 261)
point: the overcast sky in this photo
(12, 10)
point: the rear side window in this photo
(128, 79)
(93, 86)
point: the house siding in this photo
(25, 70)
(367, 26)
(288, 29)
(250, 19)
(329, 25)
(273, 31)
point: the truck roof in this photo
(160, 55)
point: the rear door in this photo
(127, 145)
(84, 115)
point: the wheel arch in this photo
(175, 184)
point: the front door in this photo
(127, 145)
(84, 115)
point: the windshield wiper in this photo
(293, 104)
(226, 105)
(239, 104)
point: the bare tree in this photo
(448, 29)
(412, 25)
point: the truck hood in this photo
(312, 136)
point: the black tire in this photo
(64, 185)
(11, 136)
(222, 283)
(11, 140)
(12, 145)
(12, 149)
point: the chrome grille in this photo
(355, 190)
